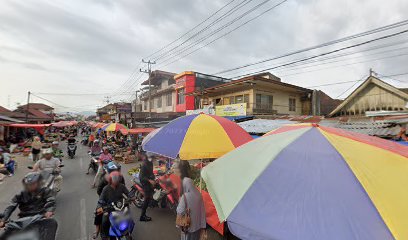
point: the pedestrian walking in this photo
(36, 148)
(147, 180)
(191, 201)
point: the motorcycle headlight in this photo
(123, 225)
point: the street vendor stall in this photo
(311, 182)
(38, 127)
(135, 131)
(196, 137)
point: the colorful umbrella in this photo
(98, 125)
(197, 136)
(113, 127)
(311, 182)
(135, 131)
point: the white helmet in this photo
(55, 143)
(47, 151)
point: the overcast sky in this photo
(93, 46)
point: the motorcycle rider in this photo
(147, 180)
(51, 164)
(58, 153)
(104, 158)
(72, 141)
(110, 194)
(35, 199)
(109, 168)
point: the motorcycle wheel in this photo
(139, 199)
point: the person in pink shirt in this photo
(104, 158)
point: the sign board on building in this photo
(180, 83)
(231, 110)
(210, 111)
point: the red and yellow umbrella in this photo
(113, 127)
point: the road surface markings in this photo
(82, 220)
(81, 162)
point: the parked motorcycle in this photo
(30, 228)
(165, 191)
(121, 222)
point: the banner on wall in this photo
(232, 110)
(210, 111)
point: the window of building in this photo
(145, 106)
(180, 96)
(218, 101)
(246, 98)
(232, 100)
(239, 99)
(169, 99)
(263, 101)
(159, 102)
(292, 104)
(151, 105)
(226, 101)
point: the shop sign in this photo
(180, 83)
(231, 110)
(210, 111)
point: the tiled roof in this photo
(3, 109)
(41, 106)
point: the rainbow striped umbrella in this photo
(311, 182)
(113, 127)
(196, 136)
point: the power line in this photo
(221, 36)
(340, 40)
(296, 66)
(189, 31)
(326, 53)
(218, 29)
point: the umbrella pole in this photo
(201, 179)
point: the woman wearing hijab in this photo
(192, 199)
(36, 149)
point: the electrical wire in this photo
(166, 63)
(189, 31)
(326, 53)
(340, 40)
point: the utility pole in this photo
(134, 113)
(149, 71)
(28, 106)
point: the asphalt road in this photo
(76, 202)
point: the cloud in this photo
(93, 45)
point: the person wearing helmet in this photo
(56, 151)
(34, 199)
(104, 158)
(109, 168)
(50, 164)
(111, 193)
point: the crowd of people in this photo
(36, 198)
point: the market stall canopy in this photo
(197, 136)
(312, 182)
(62, 124)
(135, 131)
(98, 125)
(28, 125)
(113, 127)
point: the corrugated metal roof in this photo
(260, 126)
(387, 128)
